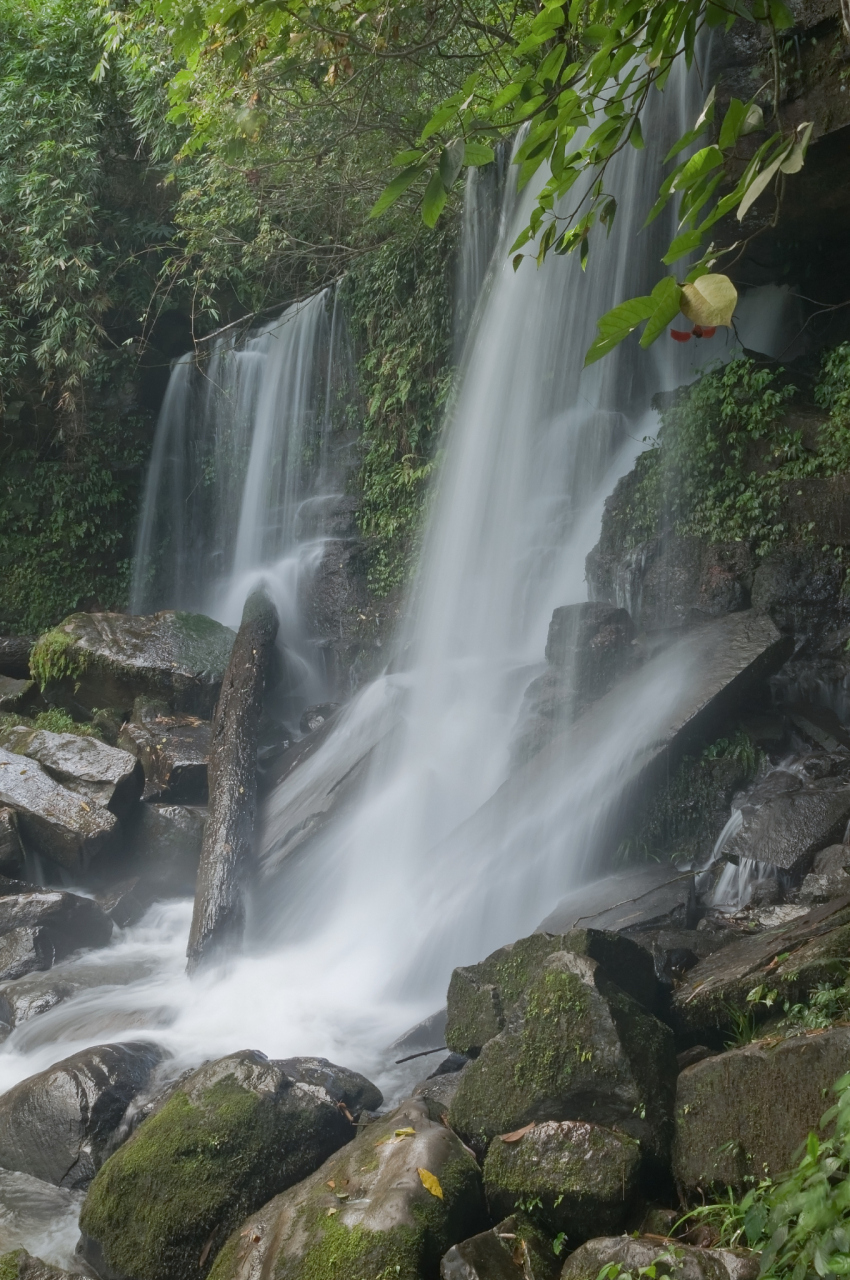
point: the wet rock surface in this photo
(114, 658)
(789, 818)
(51, 818)
(228, 1138)
(165, 846)
(583, 1176)
(20, 1265)
(347, 1087)
(57, 1125)
(15, 656)
(41, 927)
(514, 1247)
(39, 1218)
(105, 776)
(744, 1114)
(173, 751)
(678, 1261)
(367, 1210)
(40, 991)
(11, 849)
(17, 696)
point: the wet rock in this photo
(51, 818)
(229, 1137)
(41, 927)
(438, 1089)
(678, 1261)
(314, 717)
(744, 1113)
(17, 696)
(368, 1210)
(11, 849)
(107, 777)
(166, 844)
(126, 902)
(791, 959)
(20, 1265)
(800, 588)
(512, 1249)
(829, 877)
(15, 656)
(481, 997)
(173, 750)
(583, 1176)
(574, 1047)
(786, 820)
(57, 1125)
(347, 1087)
(35, 1212)
(40, 991)
(94, 660)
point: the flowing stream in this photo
(353, 936)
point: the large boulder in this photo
(742, 1115)
(634, 1255)
(482, 996)
(41, 927)
(514, 1248)
(574, 1047)
(165, 843)
(39, 1217)
(346, 1087)
(15, 656)
(57, 1125)
(20, 1265)
(582, 1176)
(790, 959)
(229, 1138)
(40, 991)
(173, 750)
(787, 819)
(95, 660)
(51, 818)
(103, 775)
(391, 1203)
(829, 877)
(17, 696)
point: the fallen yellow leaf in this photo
(430, 1183)
(709, 301)
(516, 1134)
(405, 1133)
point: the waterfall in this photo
(246, 459)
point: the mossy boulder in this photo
(515, 1247)
(482, 996)
(94, 660)
(390, 1204)
(574, 1047)
(791, 960)
(230, 1137)
(743, 1114)
(633, 1254)
(20, 1265)
(583, 1176)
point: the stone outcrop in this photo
(15, 656)
(20, 1265)
(582, 1177)
(787, 819)
(744, 1114)
(230, 1137)
(103, 775)
(17, 696)
(11, 849)
(57, 1125)
(670, 1258)
(41, 927)
(397, 1198)
(173, 751)
(165, 847)
(96, 660)
(511, 1249)
(51, 818)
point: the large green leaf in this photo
(397, 187)
(433, 202)
(666, 299)
(616, 325)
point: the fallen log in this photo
(227, 853)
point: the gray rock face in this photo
(829, 877)
(375, 1188)
(39, 928)
(57, 1125)
(679, 1261)
(745, 1113)
(348, 1087)
(788, 819)
(11, 849)
(583, 1175)
(166, 846)
(575, 1047)
(17, 695)
(103, 775)
(180, 657)
(40, 991)
(34, 1211)
(23, 1266)
(15, 656)
(51, 818)
(173, 751)
(512, 1249)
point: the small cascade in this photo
(247, 461)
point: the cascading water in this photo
(353, 937)
(247, 460)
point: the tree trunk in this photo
(227, 854)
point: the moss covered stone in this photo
(575, 1047)
(515, 1247)
(630, 1255)
(367, 1213)
(481, 996)
(93, 660)
(233, 1135)
(581, 1177)
(20, 1265)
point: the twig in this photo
(424, 1054)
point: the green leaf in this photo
(396, 188)
(761, 182)
(451, 162)
(685, 243)
(666, 298)
(434, 200)
(476, 153)
(697, 167)
(636, 135)
(795, 160)
(616, 325)
(733, 123)
(408, 157)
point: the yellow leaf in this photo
(430, 1183)
(517, 1133)
(709, 301)
(405, 1133)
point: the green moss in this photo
(556, 1031)
(190, 1174)
(10, 1264)
(203, 643)
(56, 656)
(356, 1254)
